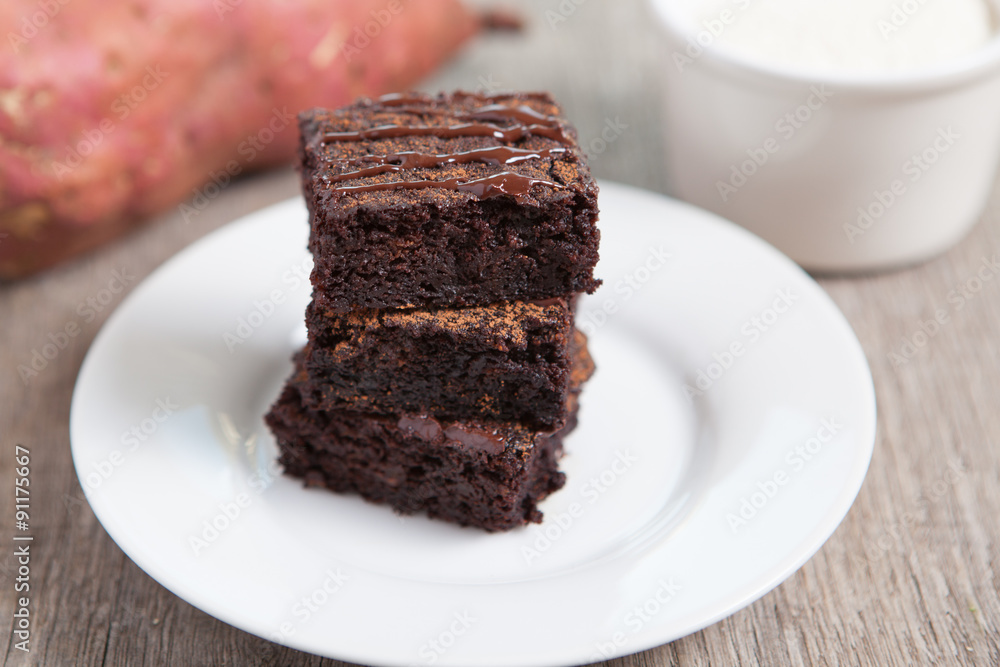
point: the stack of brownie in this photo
(450, 236)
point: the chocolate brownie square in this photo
(449, 200)
(476, 473)
(506, 362)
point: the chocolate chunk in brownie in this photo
(506, 362)
(449, 200)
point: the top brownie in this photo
(455, 200)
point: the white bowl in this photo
(876, 171)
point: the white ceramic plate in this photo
(723, 438)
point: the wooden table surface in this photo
(909, 578)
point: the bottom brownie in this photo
(486, 474)
(490, 476)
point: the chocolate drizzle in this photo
(516, 132)
(505, 123)
(502, 112)
(402, 99)
(504, 183)
(497, 155)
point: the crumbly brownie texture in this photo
(506, 362)
(486, 474)
(459, 199)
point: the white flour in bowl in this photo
(847, 35)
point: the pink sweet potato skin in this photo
(111, 112)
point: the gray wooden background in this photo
(910, 578)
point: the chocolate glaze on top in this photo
(403, 99)
(510, 134)
(502, 112)
(412, 160)
(487, 117)
(504, 183)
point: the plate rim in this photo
(821, 532)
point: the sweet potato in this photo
(111, 112)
